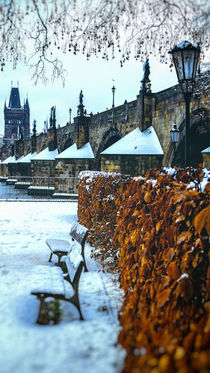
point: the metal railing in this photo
(26, 187)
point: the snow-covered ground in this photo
(71, 346)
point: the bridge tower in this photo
(16, 118)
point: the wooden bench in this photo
(50, 281)
(61, 248)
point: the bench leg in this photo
(75, 301)
(41, 319)
(59, 258)
(50, 257)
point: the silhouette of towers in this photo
(16, 118)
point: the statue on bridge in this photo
(145, 82)
(81, 98)
(80, 111)
(146, 69)
(52, 117)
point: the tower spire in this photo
(14, 101)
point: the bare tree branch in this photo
(33, 30)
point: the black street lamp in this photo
(113, 93)
(174, 133)
(70, 111)
(185, 57)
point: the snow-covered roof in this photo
(72, 152)
(137, 143)
(207, 150)
(46, 155)
(19, 159)
(27, 158)
(10, 159)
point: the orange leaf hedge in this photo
(161, 230)
(97, 193)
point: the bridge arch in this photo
(108, 139)
(43, 147)
(199, 138)
(68, 142)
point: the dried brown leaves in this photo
(162, 234)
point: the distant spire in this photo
(14, 101)
(26, 105)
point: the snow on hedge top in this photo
(207, 150)
(137, 143)
(46, 155)
(72, 152)
(27, 158)
(10, 159)
(91, 174)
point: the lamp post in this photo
(70, 110)
(113, 93)
(174, 133)
(185, 57)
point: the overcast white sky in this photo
(94, 77)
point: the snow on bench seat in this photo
(58, 245)
(48, 280)
(60, 248)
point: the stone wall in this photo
(206, 160)
(132, 165)
(67, 171)
(43, 168)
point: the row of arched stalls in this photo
(132, 154)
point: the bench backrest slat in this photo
(79, 233)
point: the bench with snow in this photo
(50, 282)
(60, 248)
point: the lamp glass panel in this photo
(188, 56)
(177, 58)
(174, 135)
(196, 59)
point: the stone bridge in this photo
(159, 110)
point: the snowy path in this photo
(72, 346)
